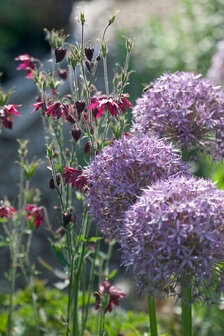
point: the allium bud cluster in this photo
(173, 237)
(116, 176)
(185, 109)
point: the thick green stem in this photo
(152, 315)
(12, 289)
(186, 312)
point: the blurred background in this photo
(169, 35)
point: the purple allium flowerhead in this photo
(173, 237)
(117, 174)
(216, 71)
(185, 109)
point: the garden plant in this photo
(135, 186)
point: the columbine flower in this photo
(6, 211)
(27, 64)
(183, 108)
(216, 71)
(174, 236)
(107, 296)
(109, 104)
(58, 110)
(6, 114)
(75, 177)
(116, 175)
(34, 214)
(62, 73)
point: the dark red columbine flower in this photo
(106, 291)
(27, 64)
(6, 114)
(34, 213)
(89, 53)
(110, 104)
(62, 73)
(57, 110)
(60, 54)
(6, 211)
(74, 176)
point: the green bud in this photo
(113, 17)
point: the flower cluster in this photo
(109, 295)
(216, 71)
(116, 176)
(6, 114)
(174, 236)
(34, 214)
(185, 109)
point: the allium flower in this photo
(6, 114)
(116, 176)
(27, 64)
(174, 236)
(75, 177)
(34, 213)
(109, 104)
(110, 294)
(6, 211)
(216, 71)
(185, 109)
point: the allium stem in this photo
(186, 313)
(152, 315)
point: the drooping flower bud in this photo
(76, 133)
(98, 58)
(62, 73)
(80, 106)
(66, 218)
(87, 148)
(52, 182)
(60, 54)
(89, 53)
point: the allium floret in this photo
(173, 237)
(116, 176)
(184, 108)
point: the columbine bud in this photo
(89, 65)
(98, 58)
(87, 148)
(76, 133)
(58, 181)
(113, 17)
(89, 53)
(60, 54)
(62, 73)
(80, 106)
(66, 218)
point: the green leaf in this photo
(112, 274)
(95, 239)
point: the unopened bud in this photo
(80, 106)
(89, 65)
(62, 73)
(87, 148)
(76, 133)
(60, 54)
(66, 218)
(89, 53)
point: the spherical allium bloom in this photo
(216, 71)
(185, 109)
(173, 237)
(34, 214)
(118, 173)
